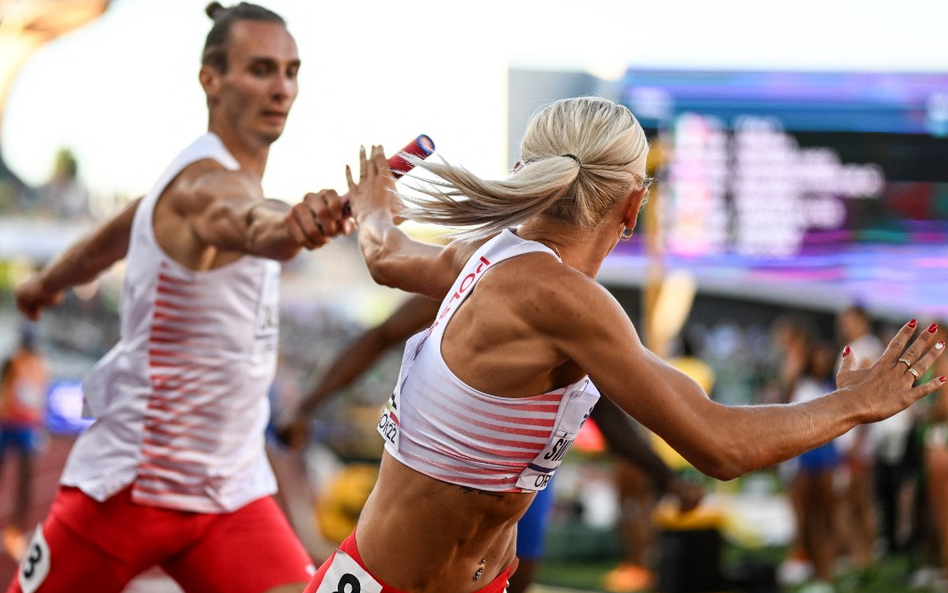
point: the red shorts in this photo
(93, 547)
(345, 572)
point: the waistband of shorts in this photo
(498, 585)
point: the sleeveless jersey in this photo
(438, 425)
(181, 401)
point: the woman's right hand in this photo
(375, 190)
(888, 386)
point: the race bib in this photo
(388, 425)
(388, 422)
(538, 474)
(346, 576)
(268, 310)
(577, 405)
(34, 567)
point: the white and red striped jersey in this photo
(438, 425)
(181, 402)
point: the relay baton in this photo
(422, 146)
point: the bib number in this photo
(577, 405)
(388, 422)
(34, 567)
(268, 309)
(346, 576)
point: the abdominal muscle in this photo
(422, 535)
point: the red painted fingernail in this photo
(941, 379)
(913, 323)
(940, 345)
(847, 351)
(932, 328)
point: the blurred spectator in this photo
(637, 503)
(792, 336)
(894, 478)
(692, 364)
(23, 383)
(639, 490)
(916, 530)
(736, 353)
(690, 361)
(936, 455)
(811, 489)
(857, 515)
(15, 196)
(64, 196)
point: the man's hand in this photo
(317, 218)
(32, 297)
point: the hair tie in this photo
(574, 157)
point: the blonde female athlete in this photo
(491, 395)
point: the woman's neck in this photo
(583, 250)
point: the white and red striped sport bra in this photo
(181, 401)
(438, 425)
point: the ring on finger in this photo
(907, 364)
(914, 372)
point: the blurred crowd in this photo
(873, 491)
(62, 197)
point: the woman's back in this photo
(497, 344)
(485, 409)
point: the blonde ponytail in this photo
(579, 157)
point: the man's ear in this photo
(211, 83)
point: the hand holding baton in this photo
(422, 146)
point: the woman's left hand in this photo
(375, 191)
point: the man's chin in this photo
(271, 136)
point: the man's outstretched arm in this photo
(82, 262)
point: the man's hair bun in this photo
(214, 9)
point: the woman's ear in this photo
(633, 205)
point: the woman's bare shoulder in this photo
(459, 251)
(546, 292)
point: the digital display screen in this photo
(821, 189)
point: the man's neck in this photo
(252, 156)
